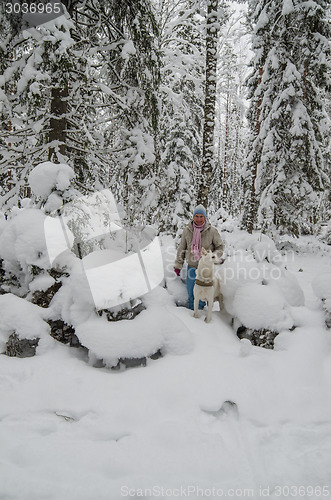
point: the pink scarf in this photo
(196, 241)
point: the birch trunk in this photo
(208, 161)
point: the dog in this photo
(207, 287)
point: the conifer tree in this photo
(35, 59)
(74, 88)
(181, 44)
(287, 114)
(128, 75)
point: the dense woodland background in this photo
(173, 102)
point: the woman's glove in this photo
(177, 271)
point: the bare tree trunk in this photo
(210, 100)
(58, 121)
(59, 107)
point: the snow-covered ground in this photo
(70, 431)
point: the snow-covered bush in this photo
(257, 288)
(324, 232)
(260, 306)
(26, 268)
(65, 260)
(23, 249)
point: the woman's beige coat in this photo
(210, 240)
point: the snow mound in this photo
(151, 330)
(47, 177)
(260, 306)
(322, 285)
(259, 246)
(234, 273)
(265, 250)
(28, 324)
(254, 267)
(288, 285)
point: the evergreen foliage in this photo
(181, 44)
(287, 114)
(74, 88)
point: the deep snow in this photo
(72, 431)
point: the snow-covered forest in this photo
(118, 118)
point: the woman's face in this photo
(199, 219)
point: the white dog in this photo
(207, 286)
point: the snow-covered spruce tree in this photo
(83, 86)
(287, 115)
(5, 120)
(129, 75)
(181, 45)
(208, 160)
(22, 108)
(42, 103)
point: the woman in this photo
(197, 234)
